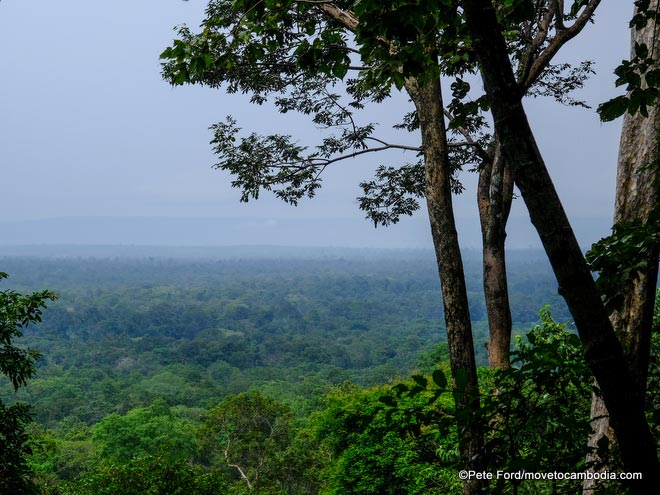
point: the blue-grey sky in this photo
(89, 129)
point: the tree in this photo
(154, 475)
(628, 259)
(17, 311)
(249, 433)
(538, 410)
(142, 432)
(387, 440)
(603, 351)
(295, 52)
(298, 51)
(535, 35)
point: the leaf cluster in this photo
(653, 380)
(395, 191)
(558, 81)
(17, 311)
(390, 440)
(619, 257)
(641, 76)
(538, 409)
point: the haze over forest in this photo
(196, 299)
(102, 151)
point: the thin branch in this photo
(533, 43)
(544, 27)
(559, 15)
(342, 108)
(459, 144)
(563, 35)
(480, 151)
(368, 150)
(242, 474)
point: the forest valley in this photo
(318, 379)
(283, 376)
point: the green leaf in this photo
(420, 380)
(339, 70)
(440, 379)
(613, 108)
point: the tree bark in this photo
(428, 102)
(495, 192)
(602, 350)
(637, 193)
(495, 189)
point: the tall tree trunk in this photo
(428, 102)
(495, 192)
(603, 351)
(637, 193)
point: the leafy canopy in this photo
(17, 311)
(329, 61)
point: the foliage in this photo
(143, 432)
(656, 313)
(152, 475)
(246, 433)
(125, 333)
(538, 409)
(653, 381)
(61, 455)
(619, 257)
(383, 445)
(17, 311)
(640, 74)
(252, 437)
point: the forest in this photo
(335, 62)
(493, 371)
(293, 374)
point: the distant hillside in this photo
(226, 231)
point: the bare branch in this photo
(559, 11)
(344, 17)
(534, 43)
(562, 36)
(387, 146)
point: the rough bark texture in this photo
(495, 193)
(602, 349)
(428, 102)
(637, 192)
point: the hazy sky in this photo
(88, 128)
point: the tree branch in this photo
(314, 161)
(562, 36)
(468, 138)
(344, 17)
